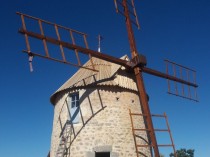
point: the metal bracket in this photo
(138, 61)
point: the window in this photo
(73, 103)
(102, 154)
(74, 100)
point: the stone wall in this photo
(104, 124)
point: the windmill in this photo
(137, 65)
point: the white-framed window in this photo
(74, 100)
(73, 104)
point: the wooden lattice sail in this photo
(184, 73)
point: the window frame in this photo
(73, 107)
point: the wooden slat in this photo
(60, 45)
(44, 40)
(76, 51)
(25, 34)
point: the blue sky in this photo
(176, 30)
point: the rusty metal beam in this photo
(166, 76)
(124, 63)
(140, 83)
(78, 48)
(57, 60)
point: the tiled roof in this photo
(108, 74)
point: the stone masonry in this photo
(104, 123)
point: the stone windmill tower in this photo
(91, 114)
(103, 110)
